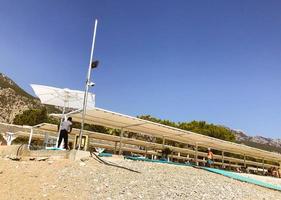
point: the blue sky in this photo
(218, 61)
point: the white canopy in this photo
(111, 119)
(62, 97)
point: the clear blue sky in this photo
(218, 61)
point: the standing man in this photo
(210, 158)
(66, 127)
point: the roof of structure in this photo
(111, 119)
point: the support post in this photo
(115, 148)
(263, 166)
(30, 137)
(46, 140)
(120, 143)
(222, 159)
(279, 170)
(163, 142)
(196, 153)
(163, 147)
(171, 156)
(145, 151)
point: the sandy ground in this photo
(65, 179)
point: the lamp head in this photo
(95, 64)
(92, 84)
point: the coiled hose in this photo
(20, 148)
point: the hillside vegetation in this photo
(200, 127)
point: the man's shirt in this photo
(66, 125)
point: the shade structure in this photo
(65, 98)
(62, 97)
(111, 119)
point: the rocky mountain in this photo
(258, 141)
(14, 100)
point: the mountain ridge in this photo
(258, 141)
(14, 100)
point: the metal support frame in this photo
(262, 165)
(121, 136)
(171, 157)
(263, 159)
(146, 148)
(163, 147)
(187, 157)
(145, 152)
(31, 132)
(120, 143)
(30, 137)
(222, 159)
(196, 153)
(115, 148)
(163, 142)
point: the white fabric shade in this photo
(62, 97)
(111, 119)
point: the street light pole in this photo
(87, 85)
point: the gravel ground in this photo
(65, 179)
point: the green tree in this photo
(153, 119)
(91, 127)
(211, 130)
(200, 127)
(32, 117)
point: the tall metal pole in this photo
(87, 85)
